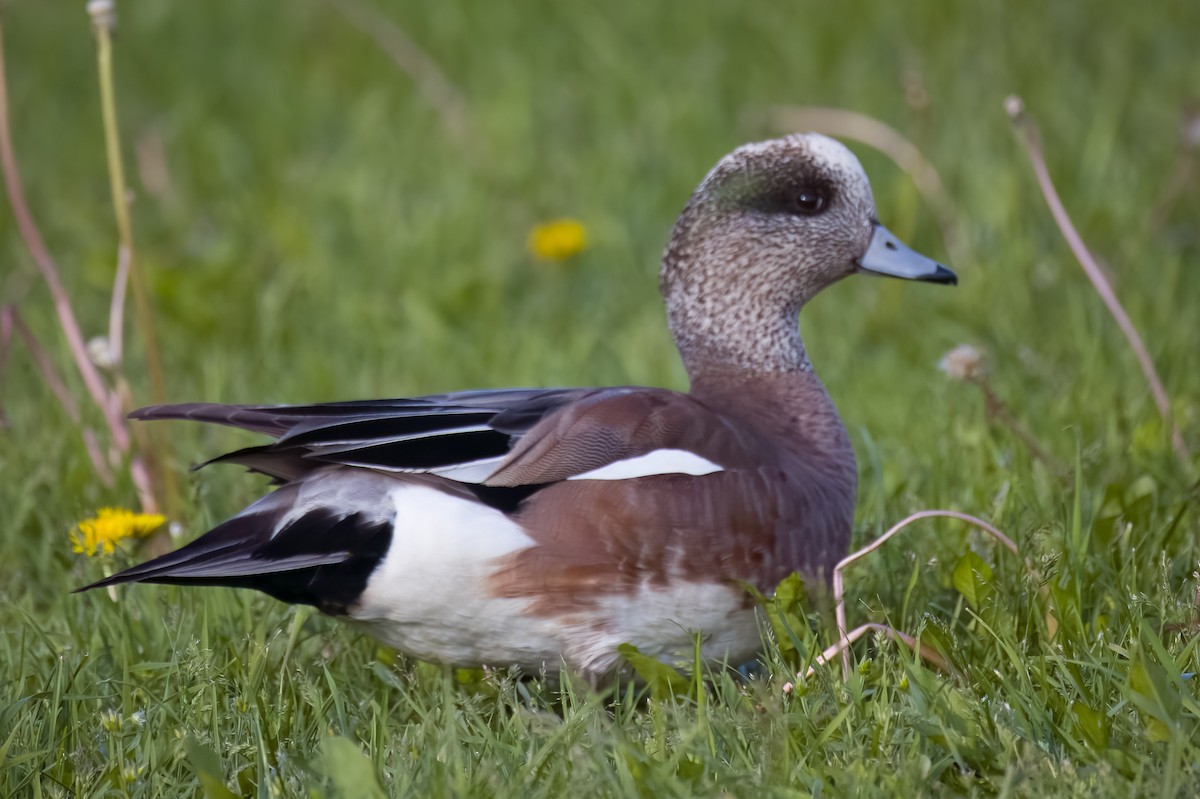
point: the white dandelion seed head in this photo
(964, 362)
(103, 12)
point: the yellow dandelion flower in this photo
(558, 240)
(110, 527)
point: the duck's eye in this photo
(810, 201)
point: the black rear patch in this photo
(332, 587)
(323, 558)
(421, 453)
(506, 499)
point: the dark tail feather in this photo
(277, 420)
(281, 465)
(316, 553)
(241, 533)
(260, 419)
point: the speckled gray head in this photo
(771, 225)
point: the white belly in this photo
(663, 623)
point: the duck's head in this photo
(770, 226)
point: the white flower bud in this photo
(100, 353)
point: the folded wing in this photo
(462, 436)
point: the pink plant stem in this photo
(843, 646)
(116, 309)
(44, 365)
(6, 315)
(141, 481)
(45, 263)
(10, 320)
(97, 456)
(998, 409)
(839, 583)
(1016, 110)
(431, 81)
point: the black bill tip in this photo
(942, 275)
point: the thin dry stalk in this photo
(839, 580)
(103, 16)
(109, 402)
(116, 307)
(842, 647)
(967, 363)
(11, 322)
(155, 174)
(431, 81)
(143, 484)
(1183, 171)
(1033, 148)
(887, 140)
(997, 408)
(92, 444)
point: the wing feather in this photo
(454, 435)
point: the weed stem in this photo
(103, 21)
(1033, 147)
(839, 580)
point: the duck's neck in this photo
(792, 409)
(731, 332)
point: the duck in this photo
(543, 528)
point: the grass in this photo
(319, 236)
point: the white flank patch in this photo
(660, 461)
(429, 597)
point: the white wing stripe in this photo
(470, 472)
(660, 461)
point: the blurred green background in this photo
(314, 230)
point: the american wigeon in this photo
(542, 527)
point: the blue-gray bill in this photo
(887, 255)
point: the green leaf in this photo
(784, 611)
(4, 748)
(790, 594)
(973, 579)
(1104, 528)
(663, 680)
(207, 766)
(1149, 689)
(690, 768)
(1090, 724)
(1140, 500)
(349, 769)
